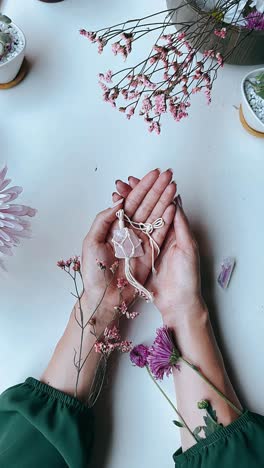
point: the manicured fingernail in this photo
(118, 180)
(118, 202)
(170, 169)
(179, 201)
(157, 169)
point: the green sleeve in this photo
(43, 427)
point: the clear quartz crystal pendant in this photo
(127, 244)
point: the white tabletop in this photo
(66, 147)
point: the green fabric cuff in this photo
(58, 395)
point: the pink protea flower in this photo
(13, 226)
(139, 355)
(163, 355)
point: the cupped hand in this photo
(177, 284)
(150, 199)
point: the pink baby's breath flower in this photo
(125, 346)
(181, 36)
(153, 59)
(132, 315)
(163, 355)
(76, 264)
(146, 105)
(160, 104)
(123, 307)
(154, 126)
(196, 89)
(220, 33)
(139, 355)
(220, 59)
(114, 267)
(116, 47)
(130, 112)
(112, 334)
(209, 53)
(108, 76)
(121, 283)
(91, 36)
(101, 44)
(61, 264)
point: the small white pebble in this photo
(255, 101)
(17, 44)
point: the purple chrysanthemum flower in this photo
(139, 355)
(255, 20)
(163, 355)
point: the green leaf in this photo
(260, 93)
(211, 412)
(5, 19)
(178, 424)
(196, 433)
(5, 38)
(210, 419)
(260, 77)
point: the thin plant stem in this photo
(196, 369)
(171, 404)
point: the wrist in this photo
(190, 311)
(101, 315)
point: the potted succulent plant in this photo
(253, 99)
(12, 49)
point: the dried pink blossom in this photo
(123, 307)
(13, 226)
(160, 104)
(61, 264)
(220, 33)
(76, 264)
(209, 53)
(121, 283)
(132, 315)
(112, 333)
(220, 59)
(125, 346)
(89, 34)
(101, 44)
(114, 267)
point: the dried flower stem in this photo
(197, 370)
(171, 404)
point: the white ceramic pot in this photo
(250, 117)
(10, 68)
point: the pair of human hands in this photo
(176, 285)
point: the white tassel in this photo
(132, 280)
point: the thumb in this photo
(102, 223)
(183, 232)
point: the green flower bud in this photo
(203, 404)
